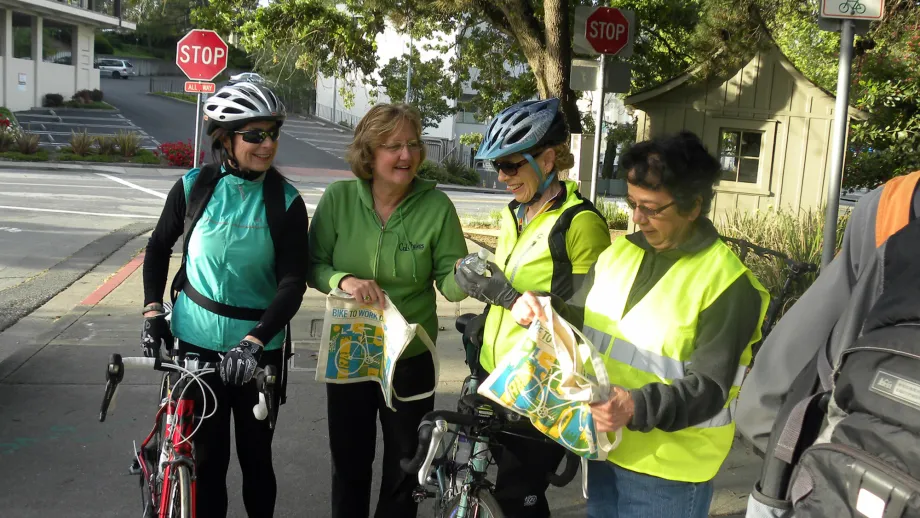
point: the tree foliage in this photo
(430, 86)
(510, 50)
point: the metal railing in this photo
(342, 118)
(175, 86)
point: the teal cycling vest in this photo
(231, 260)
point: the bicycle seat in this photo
(463, 321)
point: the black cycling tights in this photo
(253, 444)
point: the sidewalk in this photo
(59, 461)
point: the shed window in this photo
(739, 152)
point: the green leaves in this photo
(431, 88)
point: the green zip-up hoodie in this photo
(415, 250)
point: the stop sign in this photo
(607, 30)
(201, 55)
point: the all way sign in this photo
(195, 87)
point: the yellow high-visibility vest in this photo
(652, 343)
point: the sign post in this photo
(842, 15)
(202, 56)
(608, 32)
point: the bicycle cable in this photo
(196, 378)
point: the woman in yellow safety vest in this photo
(549, 238)
(674, 313)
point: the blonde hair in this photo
(565, 160)
(379, 123)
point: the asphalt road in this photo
(51, 224)
(169, 120)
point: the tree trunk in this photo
(557, 62)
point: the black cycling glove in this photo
(492, 289)
(155, 331)
(239, 365)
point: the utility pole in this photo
(409, 70)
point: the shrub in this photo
(102, 45)
(82, 97)
(459, 173)
(81, 143)
(105, 145)
(430, 170)
(617, 218)
(128, 142)
(8, 138)
(54, 100)
(96, 95)
(799, 236)
(27, 143)
(179, 154)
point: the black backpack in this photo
(854, 450)
(199, 196)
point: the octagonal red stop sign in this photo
(607, 30)
(201, 55)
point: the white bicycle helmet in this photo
(233, 106)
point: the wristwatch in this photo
(153, 306)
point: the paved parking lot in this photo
(56, 124)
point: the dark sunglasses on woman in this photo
(257, 136)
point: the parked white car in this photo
(251, 77)
(117, 68)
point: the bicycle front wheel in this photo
(180, 493)
(479, 504)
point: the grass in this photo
(490, 220)
(192, 98)
(99, 105)
(133, 51)
(143, 156)
(40, 156)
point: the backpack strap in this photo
(562, 283)
(894, 207)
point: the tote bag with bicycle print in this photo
(361, 342)
(544, 378)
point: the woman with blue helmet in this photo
(549, 238)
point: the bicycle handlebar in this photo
(428, 441)
(265, 380)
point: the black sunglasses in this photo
(257, 136)
(511, 168)
(646, 211)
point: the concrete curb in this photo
(463, 188)
(87, 167)
(71, 270)
(82, 110)
(160, 95)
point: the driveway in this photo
(56, 125)
(169, 120)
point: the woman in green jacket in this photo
(385, 232)
(550, 236)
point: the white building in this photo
(26, 78)
(392, 44)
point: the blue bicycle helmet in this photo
(525, 126)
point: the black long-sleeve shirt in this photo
(291, 261)
(723, 332)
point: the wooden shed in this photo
(770, 126)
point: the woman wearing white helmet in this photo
(242, 279)
(549, 238)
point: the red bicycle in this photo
(165, 460)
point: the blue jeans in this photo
(615, 492)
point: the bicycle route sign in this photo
(853, 9)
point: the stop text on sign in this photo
(199, 54)
(607, 30)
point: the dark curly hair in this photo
(678, 163)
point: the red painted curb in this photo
(110, 285)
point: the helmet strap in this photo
(544, 184)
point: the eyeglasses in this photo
(257, 136)
(646, 211)
(413, 146)
(511, 168)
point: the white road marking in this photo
(129, 184)
(58, 211)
